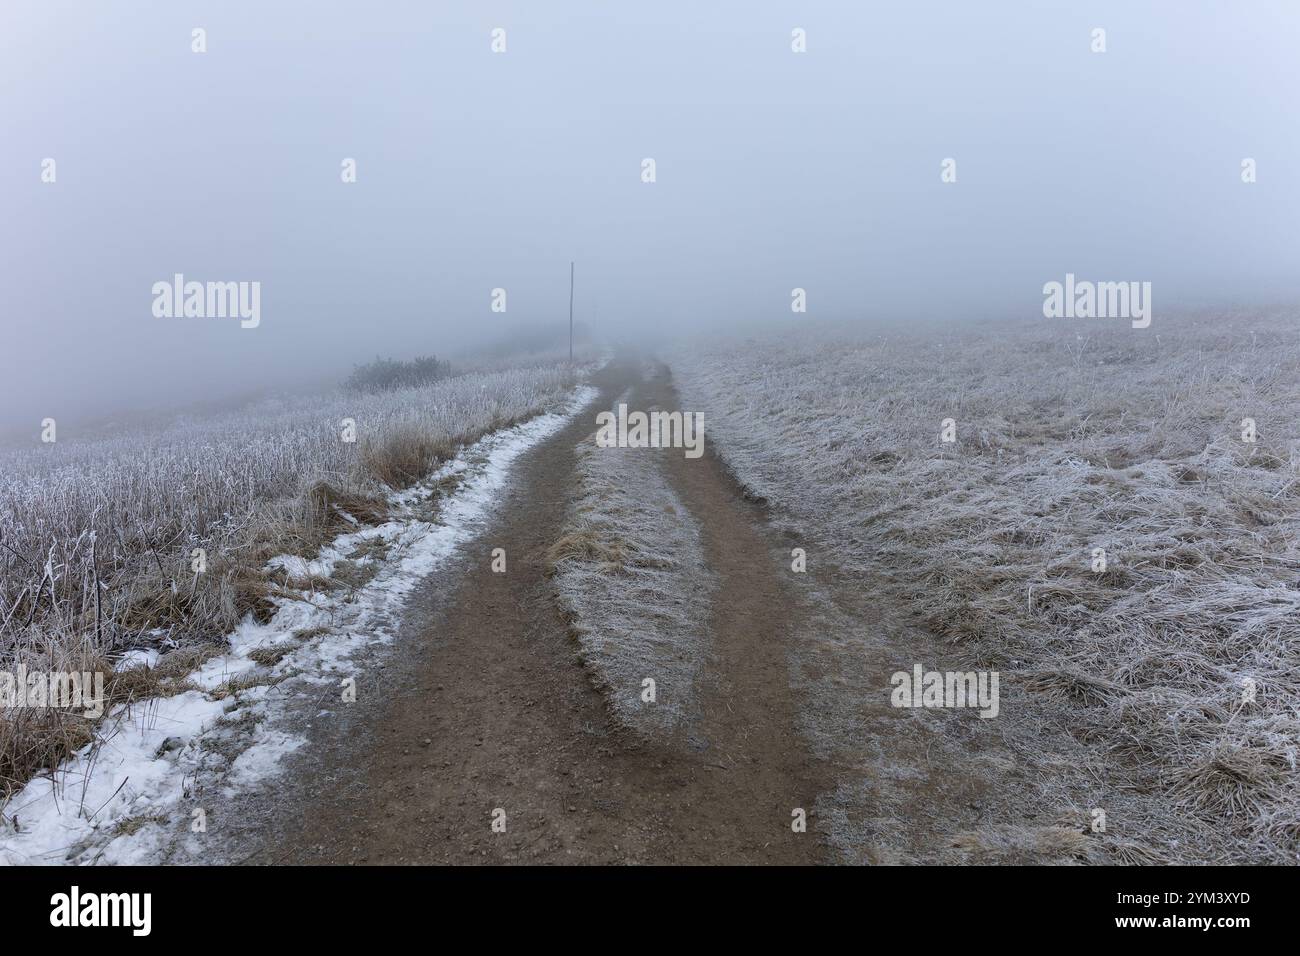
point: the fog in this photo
(478, 170)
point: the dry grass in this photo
(98, 537)
(631, 578)
(33, 741)
(269, 656)
(1070, 437)
(329, 509)
(237, 685)
(588, 546)
(1018, 846)
(402, 457)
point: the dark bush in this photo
(382, 374)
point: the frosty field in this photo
(160, 539)
(1105, 518)
(1107, 530)
(225, 718)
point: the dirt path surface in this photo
(488, 708)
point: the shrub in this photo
(384, 375)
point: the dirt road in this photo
(489, 711)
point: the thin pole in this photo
(570, 313)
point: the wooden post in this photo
(570, 313)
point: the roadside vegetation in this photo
(160, 539)
(1115, 528)
(631, 578)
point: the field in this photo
(160, 539)
(1168, 662)
(1104, 516)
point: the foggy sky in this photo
(479, 170)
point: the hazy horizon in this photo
(479, 170)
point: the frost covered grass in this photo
(209, 720)
(632, 580)
(99, 539)
(1177, 663)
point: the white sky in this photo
(477, 170)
